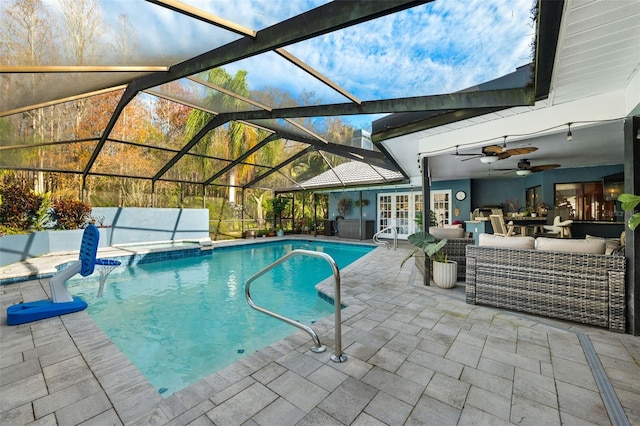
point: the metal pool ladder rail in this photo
(338, 356)
(383, 231)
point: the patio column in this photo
(426, 194)
(426, 209)
(632, 244)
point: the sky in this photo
(440, 47)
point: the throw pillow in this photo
(611, 244)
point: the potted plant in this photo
(418, 220)
(279, 231)
(278, 205)
(428, 247)
(445, 271)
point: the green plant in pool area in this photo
(629, 203)
(43, 218)
(278, 205)
(71, 214)
(433, 221)
(22, 210)
(428, 244)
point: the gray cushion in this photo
(594, 246)
(448, 233)
(491, 240)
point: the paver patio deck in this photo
(416, 355)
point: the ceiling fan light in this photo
(523, 172)
(489, 159)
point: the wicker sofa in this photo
(457, 241)
(582, 287)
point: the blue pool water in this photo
(181, 320)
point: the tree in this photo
(81, 29)
(308, 166)
(125, 42)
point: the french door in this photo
(441, 206)
(398, 210)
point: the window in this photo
(585, 201)
(441, 206)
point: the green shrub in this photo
(71, 214)
(20, 209)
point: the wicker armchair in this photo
(585, 288)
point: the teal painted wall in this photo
(368, 211)
(482, 192)
(495, 192)
(463, 207)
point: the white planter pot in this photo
(445, 274)
(280, 233)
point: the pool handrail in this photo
(383, 231)
(338, 356)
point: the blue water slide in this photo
(62, 302)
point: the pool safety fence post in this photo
(319, 347)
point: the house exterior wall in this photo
(480, 192)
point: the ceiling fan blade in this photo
(521, 151)
(493, 149)
(544, 167)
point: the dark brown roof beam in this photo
(215, 122)
(332, 169)
(279, 166)
(293, 181)
(178, 101)
(324, 19)
(522, 96)
(314, 73)
(242, 157)
(230, 93)
(321, 20)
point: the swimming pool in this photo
(181, 320)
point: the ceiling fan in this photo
(494, 153)
(525, 168)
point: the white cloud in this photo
(440, 47)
